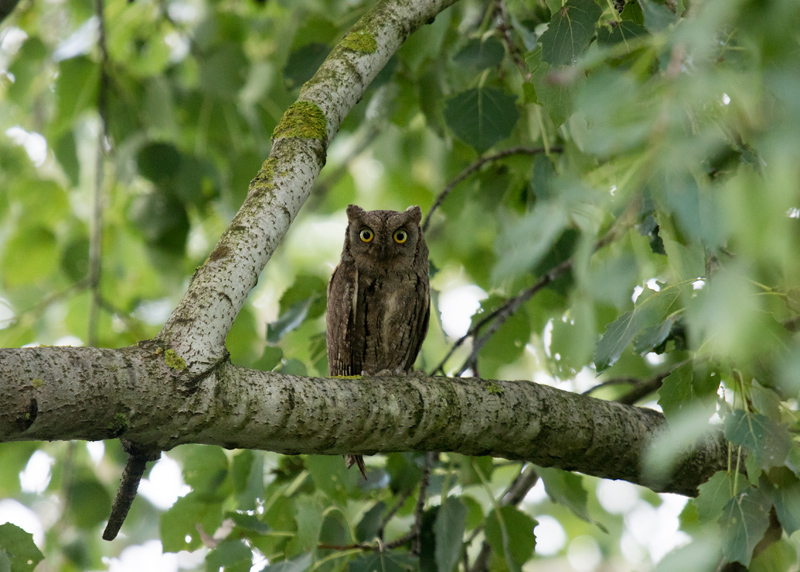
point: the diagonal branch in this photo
(197, 328)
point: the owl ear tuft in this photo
(415, 213)
(354, 211)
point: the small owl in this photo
(378, 297)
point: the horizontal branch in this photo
(62, 393)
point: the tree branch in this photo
(141, 393)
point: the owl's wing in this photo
(342, 303)
(421, 317)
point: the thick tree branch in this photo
(198, 326)
(61, 393)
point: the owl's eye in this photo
(366, 235)
(400, 236)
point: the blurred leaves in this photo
(673, 133)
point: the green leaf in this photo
(510, 534)
(657, 16)
(701, 555)
(449, 531)
(566, 488)
(90, 502)
(247, 472)
(232, 555)
(783, 488)
(570, 31)
(715, 493)
(632, 13)
(768, 440)
(686, 388)
(162, 220)
(306, 286)
(206, 470)
(650, 309)
(330, 475)
(304, 62)
(67, 154)
(744, 520)
(159, 162)
(25, 69)
(18, 549)
(654, 336)
(29, 255)
(270, 359)
(289, 320)
(523, 244)
(368, 526)
(76, 90)
(481, 116)
(479, 55)
(554, 92)
(249, 522)
(382, 562)
(508, 342)
(182, 519)
(299, 564)
(623, 32)
(308, 516)
(223, 73)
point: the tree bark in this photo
(61, 393)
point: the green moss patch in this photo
(173, 360)
(304, 120)
(361, 41)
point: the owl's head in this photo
(385, 238)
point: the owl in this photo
(378, 297)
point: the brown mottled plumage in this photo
(378, 297)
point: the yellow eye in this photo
(366, 235)
(400, 236)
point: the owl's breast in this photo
(389, 314)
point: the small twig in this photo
(515, 303)
(477, 165)
(470, 333)
(43, 304)
(503, 27)
(359, 546)
(417, 526)
(95, 244)
(614, 381)
(649, 386)
(401, 501)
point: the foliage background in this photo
(671, 139)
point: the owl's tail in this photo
(351, 460)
